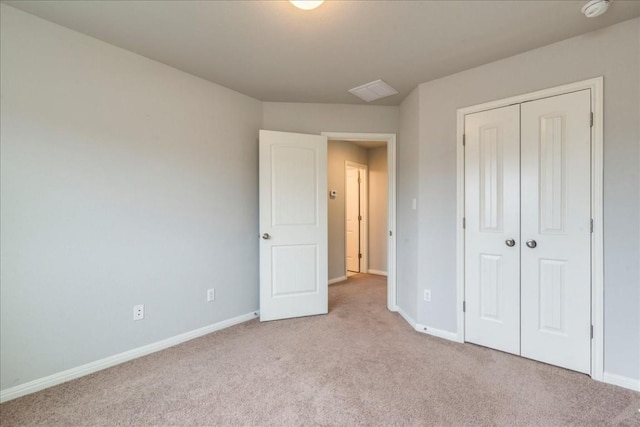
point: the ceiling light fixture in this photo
(373, 90)
(306, 4)
(595, 8)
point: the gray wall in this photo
(338, 152)
(614, 53)
(378, 209)
(407, 218)
(124, 181)
(316, 118)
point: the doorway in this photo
(387, 144)
(356, 215)
(293, 222)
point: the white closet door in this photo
(556, 279)
(492, 211)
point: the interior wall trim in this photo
(337, 279)
(378, 272)
(406, 317)
(622, 381)
(447, 335)
(107, 362)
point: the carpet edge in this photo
(107, 362)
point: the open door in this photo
(353, 218)
(293, 225)
(356, 224)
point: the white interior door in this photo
(293, 225)
(492, 212)
(352, 218)
(556, 191)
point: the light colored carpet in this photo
(358, 365)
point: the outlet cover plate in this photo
(138, 312)
(427, 295)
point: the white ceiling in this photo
(274, 52)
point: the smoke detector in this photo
(373, 90)
(595, 8)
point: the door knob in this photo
(266, 236)
(511, 243)
(531, 244)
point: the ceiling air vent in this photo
(373, 90)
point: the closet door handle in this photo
(531, 244)
(510, 242)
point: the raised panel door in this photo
(293, 225)
(492, 212)
(556, 191)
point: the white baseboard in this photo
(451, 336)
(337, 279)
(98, 365)
(406, 317)
(621, 381)
(378, 272)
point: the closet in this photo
(527, 233)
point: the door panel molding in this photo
(596, 87)
(493, 184)
(556, 278)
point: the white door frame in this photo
(364, 212)
(390, 139)
(597, 248)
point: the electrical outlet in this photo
(427, 295)
(211, 295)
(138, 312)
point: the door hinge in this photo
(591, 331)
(359, 255)
(464, 306)
(464, 222)
(390, 233)
(592, 225)
(464, 139)
(359, 217)
(591, 124)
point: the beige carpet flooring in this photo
(358, 365)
